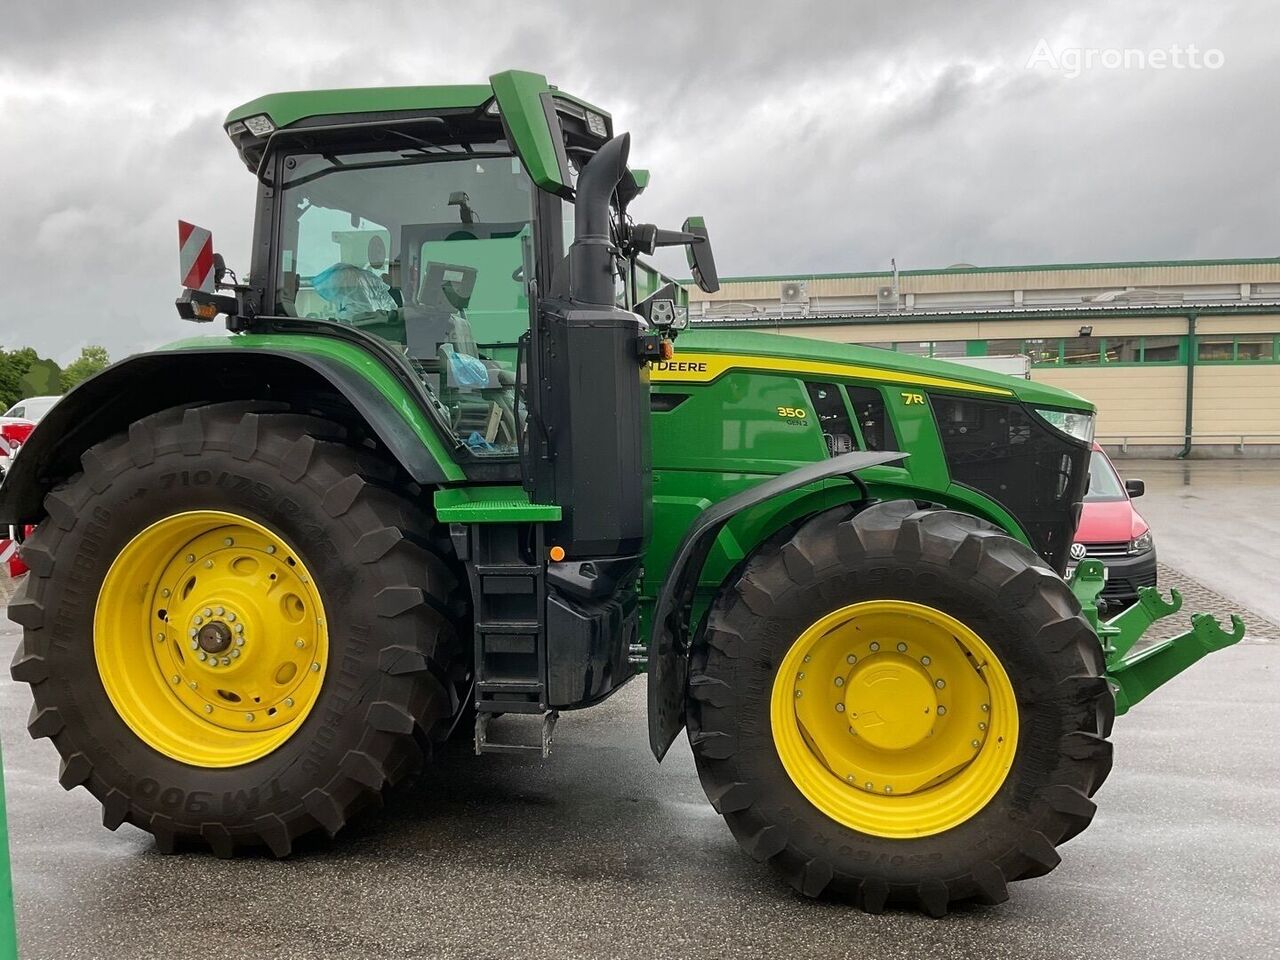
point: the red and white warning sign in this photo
(195, 256)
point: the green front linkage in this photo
(1133, 677)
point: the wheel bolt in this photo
(231, 617)
(839, 708)
(849, 778)
(208, 708)
(300, 643)
(207, 612)
(926, 660)
(986, 707)
(235, 653)
(888, 789)
(799, 694)
(939, 683)
(219, 611)
(159, 636)
(239, 641)
(271, 548)
(799, 676)
(239, 628)
(249, 717)
(193, 632)
(227, 542)
(175, 679)
(288, 701)
(191, 558)
(974, 744)
(164, 592)
(226, 661)
(193, 685)
(315, 668)
(203, 656)
(902, 648)
(208, 564)
(851, 659)
(807, 658)
(839, 681)
(198, 620)
(942, 711)
(875, 647)
(870, 785)
(982, 726)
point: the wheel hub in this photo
(890, 701)
(214, 637)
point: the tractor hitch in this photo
(1133, 676)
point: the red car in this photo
(1112, 530)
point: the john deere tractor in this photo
(447, 466)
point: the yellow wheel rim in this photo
(894, 719)
(210, 638)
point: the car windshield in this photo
(427, 251)
(1104, 482)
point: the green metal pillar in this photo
(8, 918)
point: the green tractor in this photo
(446, 467)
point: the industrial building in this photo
(1181, 357)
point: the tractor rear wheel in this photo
(900, 705)
(235, 629)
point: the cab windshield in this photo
(425, 250)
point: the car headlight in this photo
(1140, 543)
(1074, 423)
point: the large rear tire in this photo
(900, 705)
(236, 630)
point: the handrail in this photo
(1190, 439)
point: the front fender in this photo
(234, 368)
(669, 645)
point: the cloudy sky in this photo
(813, 136)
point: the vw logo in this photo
(1077, 551)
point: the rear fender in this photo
(109, 402)
(669, 645)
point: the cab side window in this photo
(828, 407)
(872, 417)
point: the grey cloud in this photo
(813, 136)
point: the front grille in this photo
(1126, 587)
(1036, 473)
(1119, 549)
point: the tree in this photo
(14, 365)
(93, 359)
(43, 378)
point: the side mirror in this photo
(701, 260)
(1135, 488)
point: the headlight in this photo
(1071, 422)
(1141, 543)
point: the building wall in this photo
(1146, 405)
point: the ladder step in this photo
(506, 570)
(485, 745)
(509, 626)
(498, 685)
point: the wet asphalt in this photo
(600, 852)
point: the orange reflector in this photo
(205, 311)
(668, 349)
(556, 553)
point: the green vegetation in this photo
(24, 373)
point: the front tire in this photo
(235, 629)
(900, 705)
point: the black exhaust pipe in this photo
(591, 277)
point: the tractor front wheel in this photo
(236, 630)
(900, 705)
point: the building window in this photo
(1210, 349)
(1164, 349)
(1238, 348)
(828, 407)
(872, 418)
(1078, 351)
